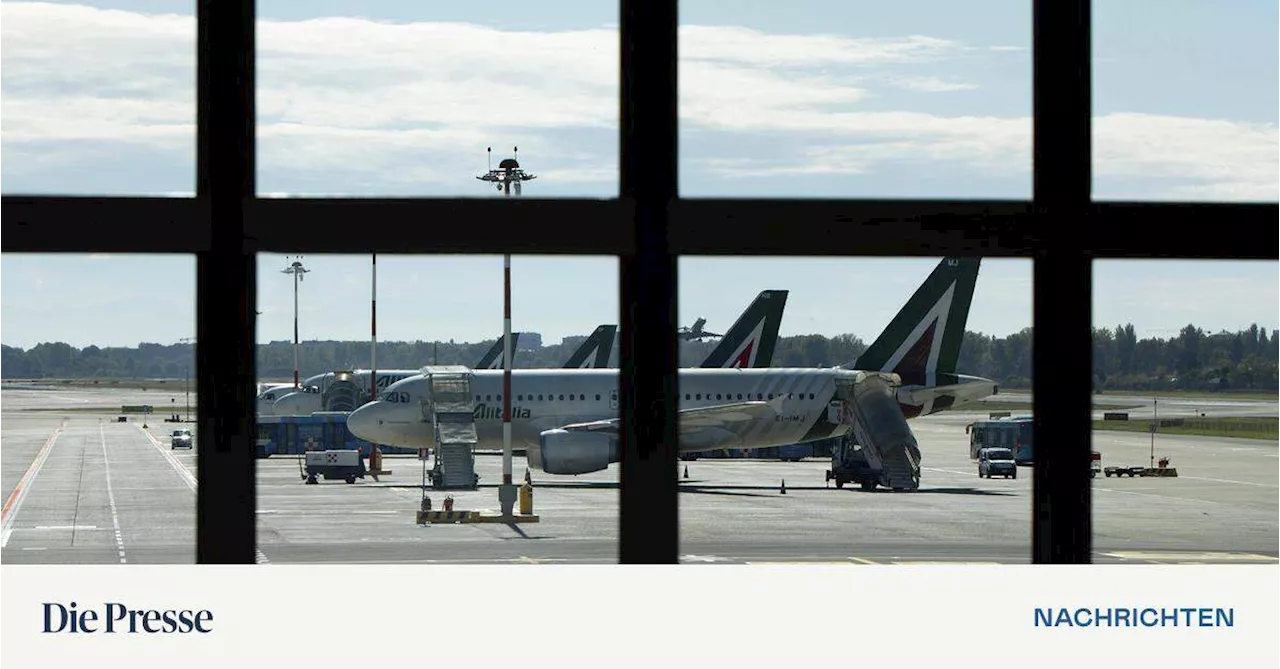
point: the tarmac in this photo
(80, 488)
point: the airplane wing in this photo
(721, 426)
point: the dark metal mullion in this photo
(649, 522)
(41, 224)
(70, 224)
(854, 227)
(440, 225)
(1061, 353)
(225, 285)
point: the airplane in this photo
(309, 399)
(753, 337)
(567, 421)
(268, 393)
(306, 399)
(696, 332)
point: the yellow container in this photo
(526, 500)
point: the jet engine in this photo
(343, 393)
(565, 452)
(880, 427)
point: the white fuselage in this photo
(308, 399)
(270, 393)
(548, 399)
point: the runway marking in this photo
(1205, 478)
(173, 461)
(949, 471)
(801, 563)
(701, 558)
(1191, 556)
(66, 527)
(1149, 494)
(863, 560)
(352, 512)
(946, 562)
(14, 502)
(111, 497)
(187, 477)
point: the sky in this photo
(813, 98)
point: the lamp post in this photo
(1155, 424)
(187, 385)
(297, 270)
(508, 175)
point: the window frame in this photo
(648, 227)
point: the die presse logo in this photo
(116, 618)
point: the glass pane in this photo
(1185, 100)
(99, 98)
(98, 405)
(1188, 347)
(838, 463)
(393, 98)
(821, 99)
(443, 312)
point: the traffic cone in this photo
(783, 491)
(686, 471)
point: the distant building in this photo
(573, 341)
(529, 341)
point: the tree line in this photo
(1193, 359)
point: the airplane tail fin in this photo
(922, 343)
(493, 358)
(751, 340)
(594, 352)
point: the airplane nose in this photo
(363, 423)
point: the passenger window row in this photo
(575, 397)
(578, 397)
(759, 396)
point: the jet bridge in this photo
(343, 393)
(449, 407)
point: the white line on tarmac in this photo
(1205, 478)
(111, 498)
(188, 478)
(173, 461)
(1149, 494)
(949, 471)
(19, 493)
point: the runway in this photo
(1144, 407)
(81, 488)
(95, 492)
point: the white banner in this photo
(638, 616)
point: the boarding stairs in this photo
(881, 430)
(449, 406)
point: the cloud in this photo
(352, 105)
(930, 84)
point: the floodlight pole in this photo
(506, 372)
(187, 384)
(507, 174)
(297, 270)
(1155, 423)
(373, 326)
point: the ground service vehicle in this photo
(180, 439)
(849, 464)
(996, 461)
(1011, 433)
